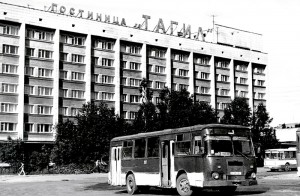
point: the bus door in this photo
(116, 165)
(167, 163)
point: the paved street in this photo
(270, 184)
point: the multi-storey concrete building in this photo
(54, 60)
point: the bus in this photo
(298, 151)
(213, 156)
(280, 159)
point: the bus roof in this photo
(281, 149)
(176, 130)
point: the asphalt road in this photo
(270, 184)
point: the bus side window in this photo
(153, 147)
(139, 148)
(198, 145)
(127, 149)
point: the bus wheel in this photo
(131, 184)
(287, 167)
(183, 185)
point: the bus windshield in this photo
(228, 146)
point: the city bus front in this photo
(230, 159)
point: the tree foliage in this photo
(237, 113)
(88, 139)
(12, 152)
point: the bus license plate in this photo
(235, 173)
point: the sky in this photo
(276, 20)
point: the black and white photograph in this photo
(160, 97)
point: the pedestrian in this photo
(21, 170)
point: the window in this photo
(107, 79)
(30, 52)
(107, 96)
(95, 60)
(8, 107)
(124, 64)
(45, 54)
(157, 100)
(134, 82)
(259, 70)
(241, 67)
(139, 148)
(74, 111)
(174, 86)
(243, 94)
(47, 36)
(204, 90)
(243, 80)
(153, 147)
(9, 88)
(68, 39)
(124, 115)
(78, 94)
(132, 115)
(29, 109)
(107, 62)
(8, 126)
(224, 92)
(45, 110)
(260, 95)
(174, 71)
(204, 75)
(180, 57)
(134, 99)
(223, 64)
(44, 128)
(222, 106)
(29, 127)
(76, 58)
(260, 82)
(134, 66)
(158, 53)
(159, 85)
(127, 149)
(104, 44)
(159, 69)
(133, 49)
(10, 69)
(183, 72)
(124, 81)
(45, 91)
(202, 60)
(183, 86)
(64, 75)
(64, 111)
(30, 90)
(9, 30)
(77, 76)
(65, 92)
(9, 49)
(47, 73)
(124, 98)
(29, 71)
(182, 144)
(224, 78)
(197, 145)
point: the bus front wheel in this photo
(183, 185)
(131, 184)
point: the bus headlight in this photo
(253, 175)
(215, 175)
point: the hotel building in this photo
(54, 60)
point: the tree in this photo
(260, 121)
(12, 152)
(203, 113)
(87, 140)
(238, 112)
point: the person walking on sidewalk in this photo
(21, 170)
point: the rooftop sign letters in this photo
(185, 32)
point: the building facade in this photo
(52, 62)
